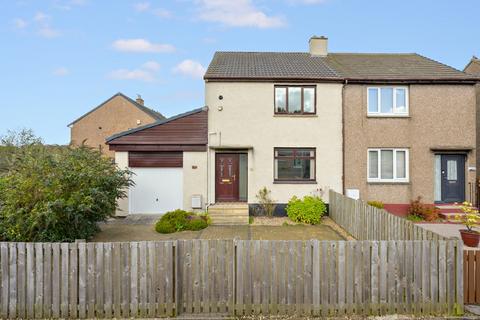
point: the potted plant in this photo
(470, 219)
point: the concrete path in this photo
(450, 230)
(138, 228)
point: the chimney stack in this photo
(318, 46)
(140, 100)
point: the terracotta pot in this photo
(470, 238)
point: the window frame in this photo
(395, 179)
(302, 103)
(294, 157)
(394, 113)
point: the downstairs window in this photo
(294, 164)
(388, 165)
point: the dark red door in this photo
(226, 177)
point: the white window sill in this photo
(374, 115)
(388, 181)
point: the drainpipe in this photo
(343, 135)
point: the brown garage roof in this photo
(334, 67)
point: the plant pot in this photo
(470, 238)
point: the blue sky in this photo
(60, 58)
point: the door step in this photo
(229, 213)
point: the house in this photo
(117, 114)
(386, 127)
(473, 67)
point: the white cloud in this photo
(151, 65)
(41, 17)
(162, 13)
(48, 32)
(190, 68)
(147, 72)
(45, 30)
(20, 23)
(238, 13)
(61, 72)
(141, 6)
(141, 45)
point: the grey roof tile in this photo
(335, 66)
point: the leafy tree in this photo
(12, 142)
(57, 194)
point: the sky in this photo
(61, 58)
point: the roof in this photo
(269, 65)
(473, 67)
(152, 113)
(154, 124)
(333, 67)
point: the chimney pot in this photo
(140, 100)
(318, 46)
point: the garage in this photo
(156, 190)
(155, 154)
(158, 178)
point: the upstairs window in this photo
(387, 101)
(295, 100)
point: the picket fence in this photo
(229, 277)
(365, 222)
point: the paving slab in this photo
(449, 230)
(127, 230)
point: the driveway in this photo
(141, 228)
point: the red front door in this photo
(226, 177)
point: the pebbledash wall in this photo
(244, 120)
(441, 117)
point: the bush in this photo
(423, 211)
(180, 220)
(58, 194)
(266, 203)
(376, 204)
(197, 224)
(309, 210)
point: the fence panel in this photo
(226, 277)
(365, 222)
(471, 290)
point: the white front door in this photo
(156, 190)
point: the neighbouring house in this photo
(386, 127)
(473, 67)
(117, 114)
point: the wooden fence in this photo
(365, 222)
(227, 277)
(471, 276)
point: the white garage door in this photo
(156, 190)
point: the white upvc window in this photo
(387, 165)
(387, 101)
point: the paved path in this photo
(141, 228)
(450, 230)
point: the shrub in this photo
(266, 203)
(309, 210)
(414, 218)
(424, 211)
(197, 224)
(180, 220)
(376, 204)
(58, 194)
